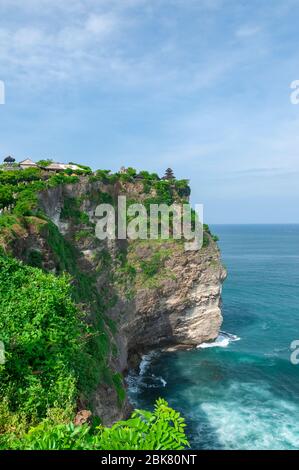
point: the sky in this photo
(202, 86)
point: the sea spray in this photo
(222, 341)
(143, 379)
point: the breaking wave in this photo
(143, 379)
(223, 340)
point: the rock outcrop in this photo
(183, 310)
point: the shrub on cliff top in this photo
(46, 162)
(6, 195)
(17, 176)
(40, 327)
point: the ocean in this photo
(241, 392)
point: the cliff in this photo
(139, 295)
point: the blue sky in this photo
(202, 86)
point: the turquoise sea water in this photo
(240, 394)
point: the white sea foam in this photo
(163, 382)
(149, 380)
(261, 422)
(223, 340)
(152, 381)
(143, 378)
(146, 361)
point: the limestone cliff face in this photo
(183, 310)
(163, 296)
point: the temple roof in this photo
(28, 161)
(62, 166)
(9, 159)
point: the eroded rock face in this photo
(184, 310)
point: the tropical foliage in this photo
(42, 333)
(164, 429)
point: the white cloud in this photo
(88, 38)
(27, 37)
(101, 25)
(67, 48)
(246, 31)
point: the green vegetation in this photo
(207, 235)
(65, 254)
(103, 259)
(7, 221)
(104, 176)
(46, 162)
(47, 364)
(183, 188)
(22, 193)
(85, 170)
(84, 292)
(52, 355)
(124, 274)
(150, 267)
(164, 429)
(118, 384)
(20, 187)
(35, 259)
(83, 234)
(71, 210)
(6, 195)
(43, 334)
(131, 172)
(149, 176)
(61, 178)
(164, 192)
(143, 266)
(17, 176)
(128, 176)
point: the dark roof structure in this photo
(9, 159)
(169, 174)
